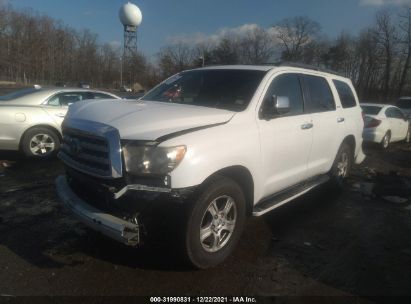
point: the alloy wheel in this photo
(342, 165)
(218, 223)
(42, 144)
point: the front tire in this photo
(214, 223)
(40, 143)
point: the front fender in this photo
(214, 149)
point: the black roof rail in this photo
(304, 66)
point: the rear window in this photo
(320, 97)
(345, 93)
(371, 110)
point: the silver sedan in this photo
(30, 119)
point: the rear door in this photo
(398, 123)
(328, 124)
(285, 139)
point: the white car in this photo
(384, 124)
(205, 149)
(30, 119)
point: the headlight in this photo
(141, 159)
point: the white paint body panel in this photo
(277, 153)
(148, 120)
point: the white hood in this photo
(147, 120)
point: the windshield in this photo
(224, 89)
(404, 103)
(371, 110)
(18, 94)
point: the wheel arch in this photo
(243, 177)
(350, 140)
(51, 128)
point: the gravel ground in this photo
(351, 243)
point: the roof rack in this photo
(306, 66)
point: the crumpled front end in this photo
(108, 224)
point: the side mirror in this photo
(275, 106)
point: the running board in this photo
(287, 195)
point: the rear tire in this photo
(386, 140)
(342, 165)
(214, 223)
(40, 142)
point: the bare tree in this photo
(175, 58)
(226, 52)
(295, 33)
(385, 34)
(202, 54)
(341, 56)
(256, 47)
(405, 41)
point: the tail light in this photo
(373, 123)
(363, 116)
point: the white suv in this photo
(217, 143)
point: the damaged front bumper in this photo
(109, 225)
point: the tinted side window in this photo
(67, 98)
(54, 101)
(389, 113)
(102, 96)
(397, 113)
(346, 95)
(320, 97)
(287, 85)
(87, 95)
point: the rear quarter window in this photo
(345, 93)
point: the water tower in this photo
(131, 17)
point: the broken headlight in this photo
(140, 159)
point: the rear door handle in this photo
(60, 115)
(340, 119)
(307, 126)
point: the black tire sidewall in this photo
(389, 141)
(335, 179)
(196, 255)
(25, 145)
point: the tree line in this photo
(38, 49)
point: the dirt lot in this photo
(352, 243)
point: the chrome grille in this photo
(86, 152)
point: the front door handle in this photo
(340, 119)
(307, 126)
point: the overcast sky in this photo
(165, 21)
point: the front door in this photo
(285, 139)
(57, 105)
